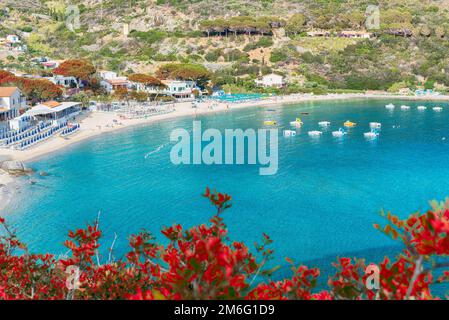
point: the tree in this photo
(139, 96)
(425, 30)
(5, 74)
(440, 31)
(35, 90)
(242, 24)
(278, 55)
(122, 94)
(185, 71)
(429, 84)
(396, 19)
(145, 80)
(296, 24)
(353, 19)
(395, 87)
(44, 90)
(83, 98)
(80, 69)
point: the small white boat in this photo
(340, 133)
(373, 134)
(315, 133)
(403, 107)
(296, 123)
(390, 106)
(324, 123)
(289, 133)
(437, 109)
(422, 108)
(375, 125)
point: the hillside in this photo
(240, 39)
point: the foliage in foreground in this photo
(203, 263)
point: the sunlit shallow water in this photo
(322, 202)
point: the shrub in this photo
(278, 56)
(203, 263)
(150, 36)
(212, 56)
(429, 84)
(263, 42)
(27, 29)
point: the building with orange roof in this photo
(51, 104)
(110, 85)
(11, 102)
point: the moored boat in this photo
(296, 123)
(340, 133)
(373, 134)
(289, 133)
(315, 133)
(375, 125)
(349, 124)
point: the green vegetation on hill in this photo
(240, 40)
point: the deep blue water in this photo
(321, 203)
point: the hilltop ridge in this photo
(239, 40)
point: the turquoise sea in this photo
(322, 202)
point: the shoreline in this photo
(9, 186)
(94, 124)
(97, 123)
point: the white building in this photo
(11, 102)
(180, 89)
(148, 88)
(110, 81)
(12, 38)
(66, 82)
(318, 33)
(57, 112)
(355, 34)
(271, 80)
(108, 75)
(12, 43)
(111, 85)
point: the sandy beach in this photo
(96, 123)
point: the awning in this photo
(65, 105)
(38, 110)
(42, 109)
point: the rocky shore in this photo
(9, 185)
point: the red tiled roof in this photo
(7, 91)
(116, 82)
(51, 104)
